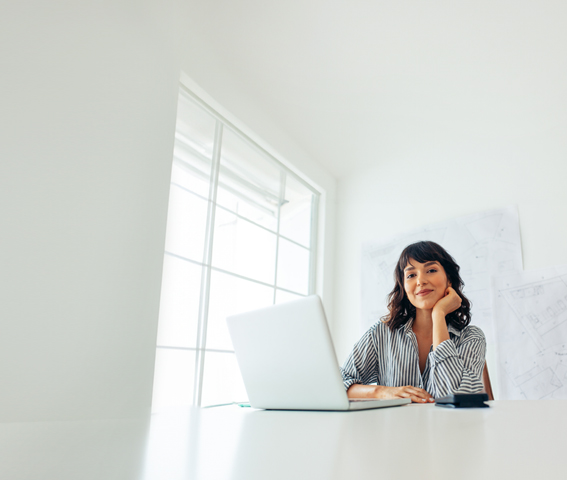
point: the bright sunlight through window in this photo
(241, 235)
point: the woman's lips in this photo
(422, 293)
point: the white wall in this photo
(87, 117)
(88, 113)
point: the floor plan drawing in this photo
(531, 332)
(483, 244)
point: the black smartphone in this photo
(463, 400)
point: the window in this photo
(241, 234)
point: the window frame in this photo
(221, 124)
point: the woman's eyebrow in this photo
(427, 264)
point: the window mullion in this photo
(206, 271)
(313, 244)
(280, 203)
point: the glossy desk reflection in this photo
(520, 439)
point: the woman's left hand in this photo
(449, 303)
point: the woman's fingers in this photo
(418, 399)
(450, 302)
(417, 395)
(414, 398)
(418, 392)
(413, 393)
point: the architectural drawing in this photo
(484, 244)
(531, 333)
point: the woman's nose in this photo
(421, 280)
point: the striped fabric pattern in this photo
(391, 358)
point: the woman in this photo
(424, 348)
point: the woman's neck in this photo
(423, 322)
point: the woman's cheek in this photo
(440, 297)
(411, 298)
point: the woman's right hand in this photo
(417, 395)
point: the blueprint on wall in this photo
(531, 332)
(483, 244)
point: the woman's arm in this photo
(360, 369)
(454, 369)
(458, 369)
(361, 365)
(449, 303)
(417, 395)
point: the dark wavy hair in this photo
(400, 308)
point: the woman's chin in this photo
(425, 305)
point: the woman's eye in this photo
(410, 275)
(432, 270)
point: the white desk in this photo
(518, 440)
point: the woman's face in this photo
(425, 283)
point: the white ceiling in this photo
(359, 82)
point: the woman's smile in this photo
(424, 292)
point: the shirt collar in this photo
(407, 326)
(453, 330)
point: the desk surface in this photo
(513, 439)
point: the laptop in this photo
(288, 362)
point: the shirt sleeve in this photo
(361, 365)
(458, 369)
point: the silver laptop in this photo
(288, 361)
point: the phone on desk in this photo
(463, 400)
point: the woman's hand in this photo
(417, 395)
(447, 304)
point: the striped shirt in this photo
(391, 358)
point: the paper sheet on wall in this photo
(483, 244)
(531, 333)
